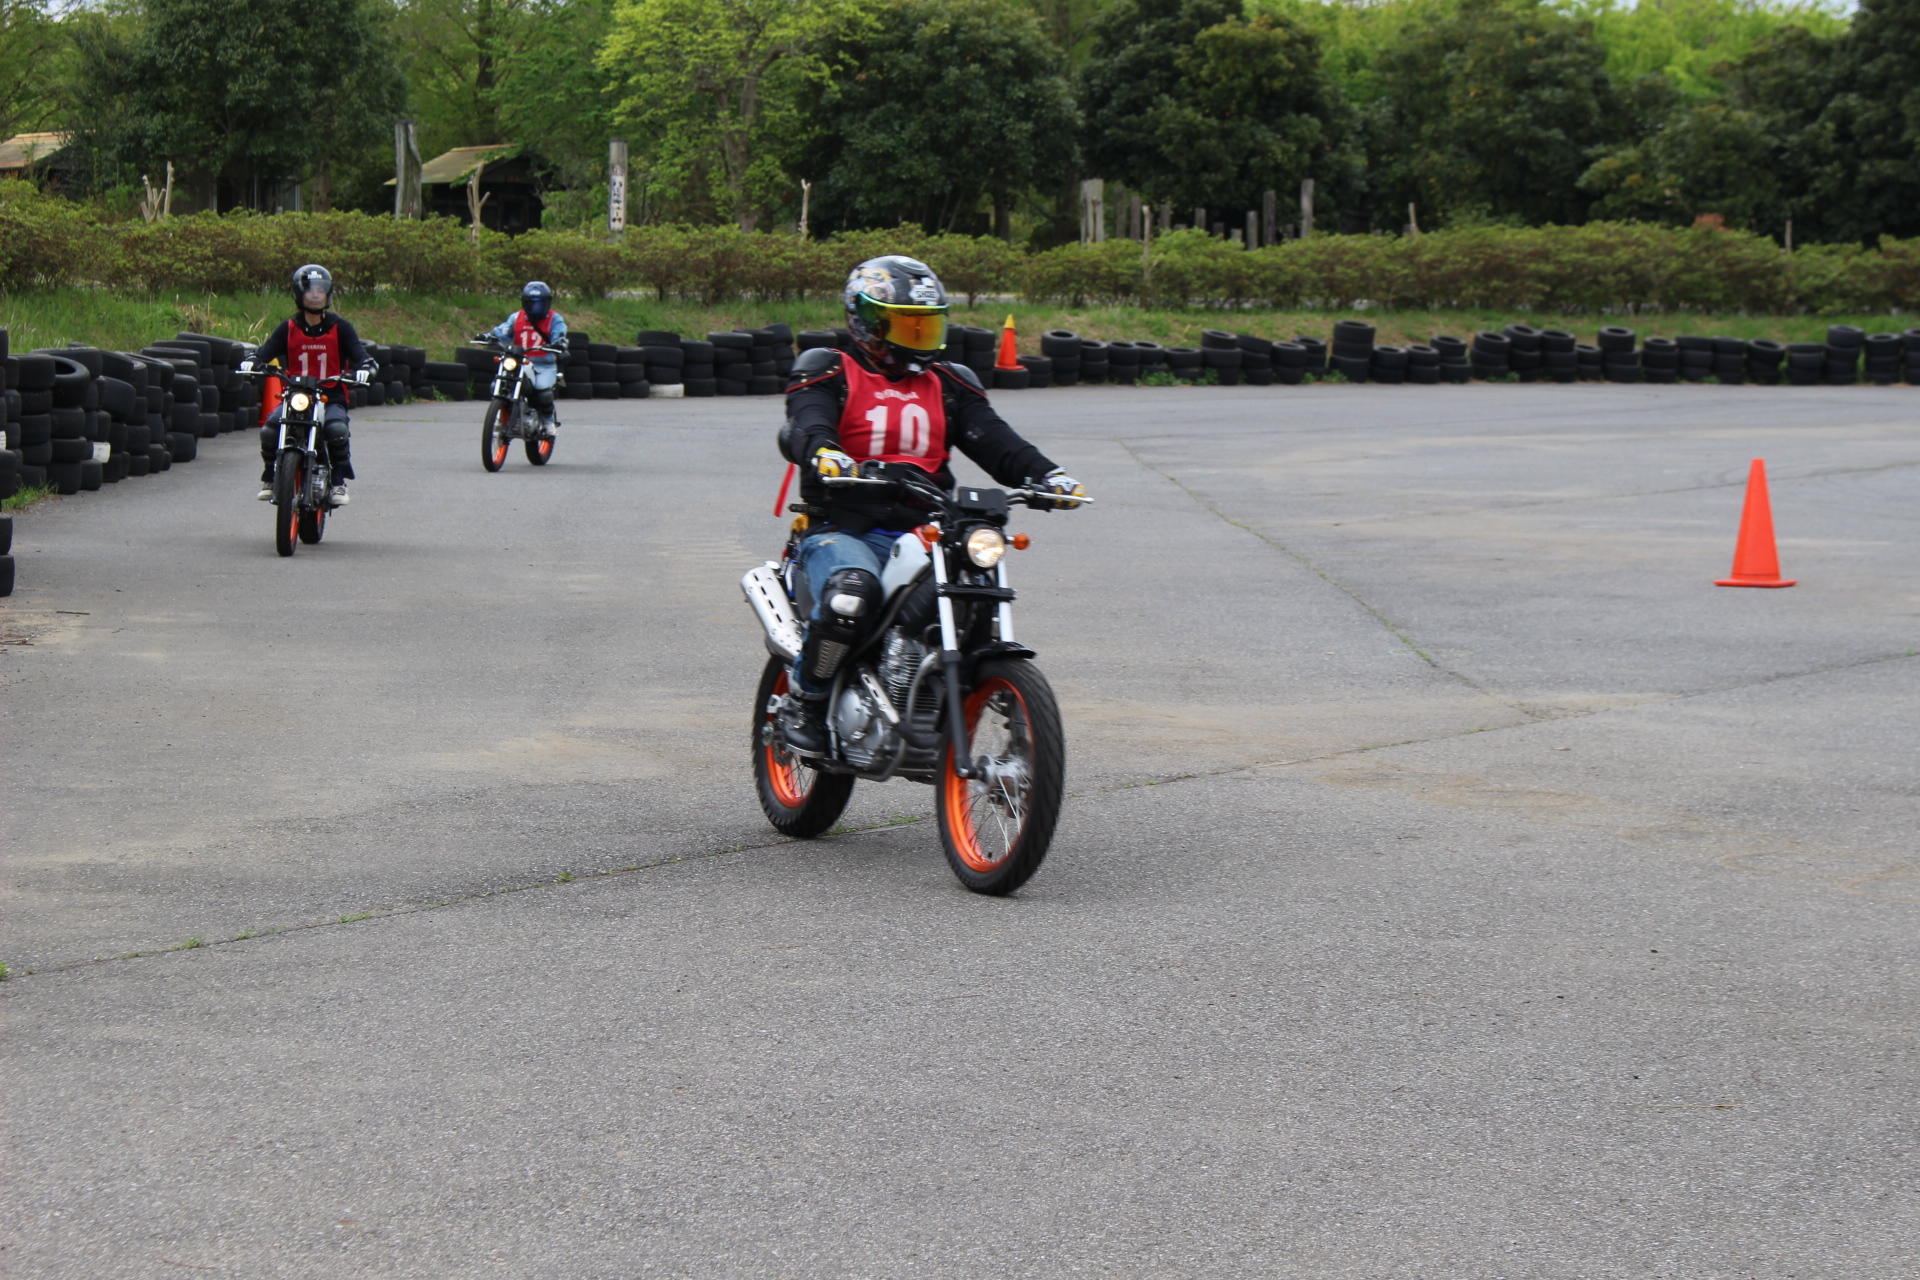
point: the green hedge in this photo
(45, 241)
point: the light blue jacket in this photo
(543, 369)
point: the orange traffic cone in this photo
(1009, 347)
(269, 397)
(1756, 563)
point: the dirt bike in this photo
(937, 690)
(509, 416)
(302, 473)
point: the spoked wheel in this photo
(798, 799)
(494, 440)
(539, 448)
(996, 827)
(289, 478)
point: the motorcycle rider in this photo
(316, 343)
(888, 398)
(537, 324)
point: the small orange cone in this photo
(1009, 348)
(1756, 563)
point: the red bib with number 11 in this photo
(904, 421)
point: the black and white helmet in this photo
(897, 312)
(309, 280)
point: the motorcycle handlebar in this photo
(1025, 496)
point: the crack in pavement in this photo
(1389, 625)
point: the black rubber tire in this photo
(183, 447)
(799, 801)
(6, 535)
(539, 450)
(313, 526)
(493, 449)
(6, 575)
(1353, 368)
(1033, 734)
(286, 514)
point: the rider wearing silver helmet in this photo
(890, 397)
(316, 343)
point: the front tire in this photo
(289, 478)
(996, 830)
(798, 799)
(313, 525)
(493, 437)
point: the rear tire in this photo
(493, 437)
(539, 450)
(313, 526)
(996, 831)
(798, 799)
(289, 477)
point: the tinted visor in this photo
(909, 328)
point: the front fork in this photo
(951, 661)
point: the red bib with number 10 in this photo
(904, 421)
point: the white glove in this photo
(1065, 486)
(832, 462)
(363, 376)
(246, 366)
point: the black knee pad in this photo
(849, 600)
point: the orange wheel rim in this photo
(977, 810)
(546, 448)
(783, 774)
(499, 450)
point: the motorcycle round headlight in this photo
(985, 547)
(509, 364)
(301, 402)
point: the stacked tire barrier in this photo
(1517, 352)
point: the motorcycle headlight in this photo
(301, 402)
(985, 547)
(509, 364)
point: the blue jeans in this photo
(820, 555)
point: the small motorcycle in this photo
(937, 691)
(509, 416)
(302, 473)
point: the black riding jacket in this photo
(816, 398)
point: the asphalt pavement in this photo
(1454, 882)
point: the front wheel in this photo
(493, 436)
(289, 479)
(798, 799)
(996, 827)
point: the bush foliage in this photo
(1608, 266)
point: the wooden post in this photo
(1270, 217)
(616, 187)
(1413, 220)
(806, 198)
(1093, 211)
(1789, 229)
(1136, 218)
(407, 201)
(1306, 208)
(1200, 219)
(1253, 230)
(476, 201)
(1166, 218)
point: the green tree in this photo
(1863, 149)
(241, 95)
(967, 107)
(28, 38)
(1706, 159)
(715, 87)
(1691, 42)
(1495, 111)
(1193, 105)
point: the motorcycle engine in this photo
(865, 737)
